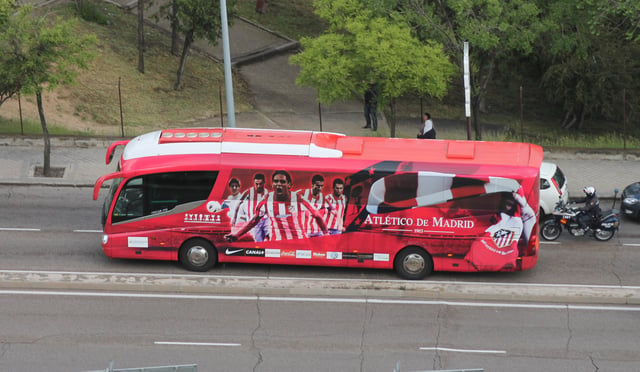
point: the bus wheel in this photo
(198, 255)
(413, 263)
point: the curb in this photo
(58, 141)
(261, 286)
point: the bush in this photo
(90, 12)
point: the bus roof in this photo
(196, 146)
(193, 141)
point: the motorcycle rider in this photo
(591, 210)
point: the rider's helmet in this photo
(589, 191)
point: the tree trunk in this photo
(569, 120)
(390, 116)
(475, 111)
(141, 36)
(174, 29)
(46, 169)
(188, 39)
(481, 81)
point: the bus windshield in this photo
(115, 183)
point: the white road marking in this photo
(464, 350)
(38, 230)
(314, 299)
(195, 343)
(17, 229)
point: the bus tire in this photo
(198, 255)
(413, 263)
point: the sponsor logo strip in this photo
(305, 254)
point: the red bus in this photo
(207, 195)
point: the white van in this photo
(553, 186)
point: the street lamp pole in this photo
(228, 78)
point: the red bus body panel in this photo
(443, 196)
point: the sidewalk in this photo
(84, 161)
(261, 57)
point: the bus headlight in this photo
(105, 238)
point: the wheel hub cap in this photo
(413, 263)
(198, 256)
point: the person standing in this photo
(370, 107)
(427, 131)
(336, 203)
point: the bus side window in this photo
(161, 192)
(168, 190)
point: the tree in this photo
(588, 55)
(195, 19)
(619, 16)
(39, 54)
(363, 45)
(9, 85)
(496, 31)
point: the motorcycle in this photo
(567, 216)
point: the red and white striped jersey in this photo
(286, 218)
(335, 211)
(317, 202)
(249, 201)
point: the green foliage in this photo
(199, 17)
(496, 31)
(148, 100)
(622, 16)
(588, 63)
(195, 19)
(44, 53)
(361, 47)
(31, 127)
(90, 12)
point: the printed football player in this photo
(315, 197)
(248, 202)
(335, 204)
(284, 209)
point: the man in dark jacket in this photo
(591, 210)
(370, 107)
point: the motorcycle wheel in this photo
(603, 235)
(551, 230)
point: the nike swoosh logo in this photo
(229, 252)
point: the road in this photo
(58, 229)
(71, 329)
(80, 331)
